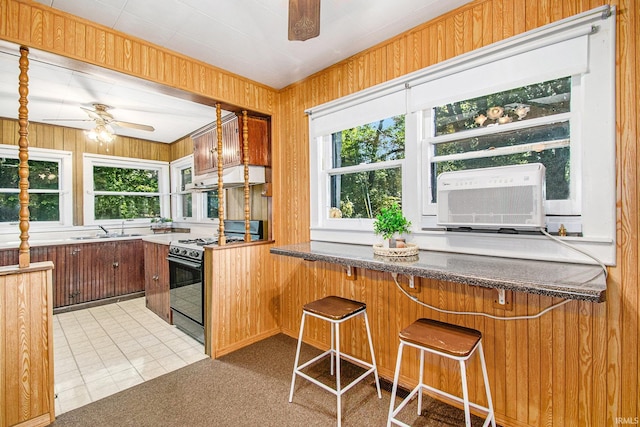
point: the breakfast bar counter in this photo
(584, 282)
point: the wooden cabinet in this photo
(205, 145)
(156, 279)
(86, 272)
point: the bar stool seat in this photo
(446, 340)
(335, 310)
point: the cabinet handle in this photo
(116, 264)
(156, 277)
(75, 251)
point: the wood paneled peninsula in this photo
(553, 279)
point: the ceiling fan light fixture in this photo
(101, 133)
(304, 19)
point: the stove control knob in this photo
(194, 254)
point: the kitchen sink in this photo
(105, 236)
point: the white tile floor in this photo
(102, 350)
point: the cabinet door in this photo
(157, 279)
(128, 267)
(205, 145)
(94, 271)
(259, 152)
(61, 286)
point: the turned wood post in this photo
(245, 153)
(221, 238)
(24, 257)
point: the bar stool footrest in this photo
(421, 387)
(359, 362)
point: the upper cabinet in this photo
(205, 145)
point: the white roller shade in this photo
(486, 74)
(356, 111)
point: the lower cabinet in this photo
(89, 271)
(156, 279)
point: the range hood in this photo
(231, 177)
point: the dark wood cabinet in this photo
(205, 145)
(156, 279)
(87, 272)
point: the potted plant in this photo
(390, 223)
(161, 223)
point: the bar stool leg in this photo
(394, 389)
(333, 348)
(295, 363)
(421, 382)
(485, 377)
(338, 387)
(373, 357)
(465, 393)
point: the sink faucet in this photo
(104, 229)
(122, 229)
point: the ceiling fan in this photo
(102, 117)
(304, 19)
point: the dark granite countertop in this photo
(555, 279)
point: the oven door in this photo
(186, 289)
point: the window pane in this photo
(363, 194)
(119, 206)
(42, 207)
(375, 142)
(551, 132)
(212, 204)
(126, 180)
(523, 103)
(42, 175)
(185, 178)
(187, 203)
(555, 160)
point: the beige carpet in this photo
(250, 387)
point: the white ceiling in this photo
(245, 37)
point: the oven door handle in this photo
(185, 262)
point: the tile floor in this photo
(102, 350)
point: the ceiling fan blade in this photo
(94, 115)
(132, 125)
(67, 120)
(304, 19)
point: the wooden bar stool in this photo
(446, 340)
(335, 310)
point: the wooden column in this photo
(24, 258)
(221, 238)
(245, 155)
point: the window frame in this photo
(65, 181)
(91, 160)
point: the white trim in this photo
(90, 160)
(65, 180)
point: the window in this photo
(546, 96)
(120, 188)
(529, 124)
(49, 186)
(365, 175)
(211, 204)
(182, 201)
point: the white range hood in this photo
(231, 177)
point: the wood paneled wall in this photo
(26, 350)
(577, 365)
(75, 141)
(243, 297)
